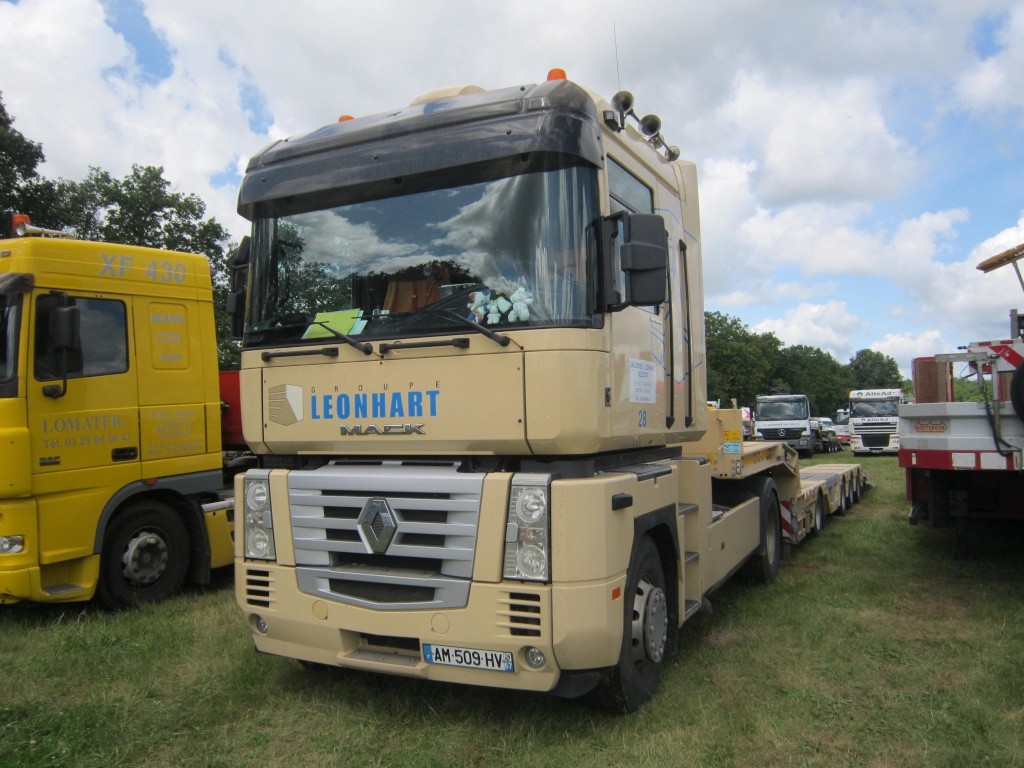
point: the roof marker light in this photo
(19, 224)
(557, 74)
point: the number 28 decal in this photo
(642, 419)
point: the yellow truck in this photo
(110, 417)
(473, 374)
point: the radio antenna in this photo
(618, 75)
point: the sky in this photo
(856, 160)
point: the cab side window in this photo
(630, 195)
(103, 336)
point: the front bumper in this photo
(577, 627)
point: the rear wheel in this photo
(819, 515)
(645, 633)
(145, 556)
(764, 563)
(847, 499)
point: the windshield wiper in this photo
(362, 346)
(498, 338)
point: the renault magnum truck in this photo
(473, 373)
(110, 422)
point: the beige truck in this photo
(473, 372)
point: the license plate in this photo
(495, 661)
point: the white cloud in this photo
(827, 326)
(904, 347)
(822, 143)
(819, 129)
(997, 83)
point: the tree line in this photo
(743, 364)
(142, 208)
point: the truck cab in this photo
(110, 422)
(874, 420)
(785, 418)
(473, 375)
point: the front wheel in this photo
(645, 633)
(145, 556)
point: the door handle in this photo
(124, 454)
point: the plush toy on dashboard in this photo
(521, 301)
(497, 307)
(478, 301)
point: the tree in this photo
(19, 158)
(140, 209)
(815, 373)
(740, 363)
(873, 370)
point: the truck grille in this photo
(875, 435)
(774, 433)
(873, 440)
(388, 536)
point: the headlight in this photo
(258, 522)
(527, 533)
(12, 545)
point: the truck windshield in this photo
(9, 313)
(781, 410)
(865, 408)
(509, 252)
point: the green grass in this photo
(874, 647)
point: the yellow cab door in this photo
(83, 415)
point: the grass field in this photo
(874, 647)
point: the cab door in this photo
(83, 417)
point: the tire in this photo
(645, 633)
(145, 556)
(846, 502)
(819, 515)
(1017, 392)
(763, 565)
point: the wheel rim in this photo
(144, 559)
(650, 623)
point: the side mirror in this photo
(238, 277)
(65, 338)
(635, 271)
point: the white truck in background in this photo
(842, 422)
(785, 418)
(874, 417)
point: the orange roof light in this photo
(557, 74)
(345, 118)
(18, 223)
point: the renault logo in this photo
(376, 525)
